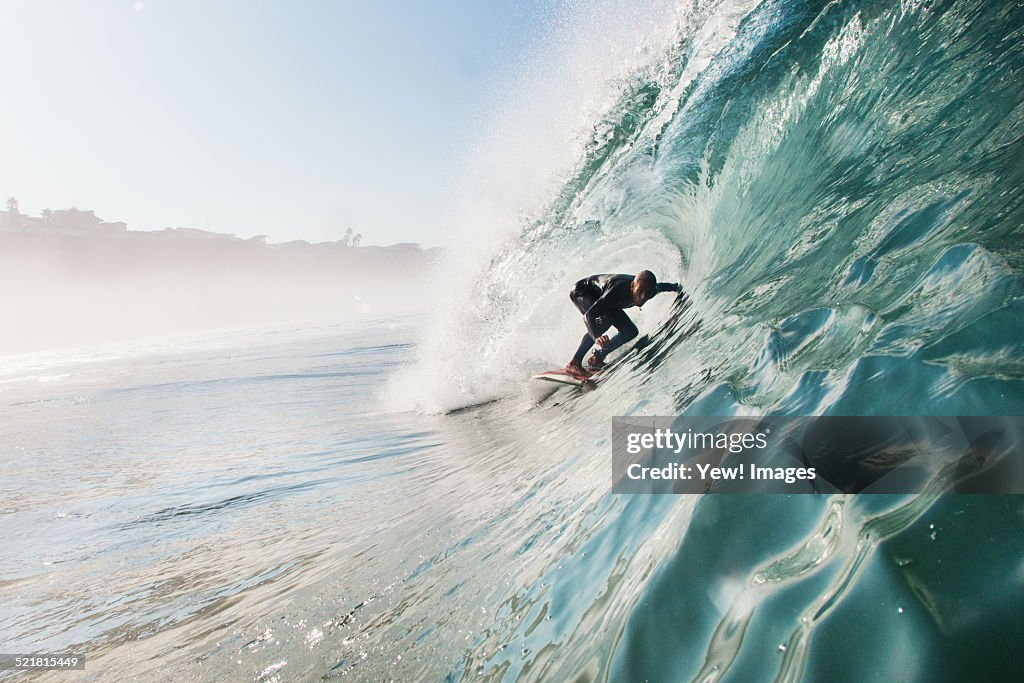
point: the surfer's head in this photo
(645, 285)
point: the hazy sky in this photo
(292, 119)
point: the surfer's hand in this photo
(602, 340)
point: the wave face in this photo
(836, 185)
(838, 188)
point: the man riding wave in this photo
(601, 299)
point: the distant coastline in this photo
(69, 278)
(99, 243)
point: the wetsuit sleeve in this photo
(669, 287)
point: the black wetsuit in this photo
(601, 299)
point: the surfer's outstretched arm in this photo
(669, 287)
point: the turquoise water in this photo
(836, 185)
(240, 507)
(838, 188)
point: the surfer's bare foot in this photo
(576, 369)
(596, 361)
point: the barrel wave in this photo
(838, 188)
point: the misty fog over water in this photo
(65, 289)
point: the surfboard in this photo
(558, 385)
(559, 377)
(553, 387)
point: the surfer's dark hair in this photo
(647, 279)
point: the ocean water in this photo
(838, 188)
(243, 507)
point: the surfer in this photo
(601, 299)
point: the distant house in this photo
(74, 220)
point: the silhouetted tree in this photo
(47, 215)
(357, 239)
(347, 239)
(13, 206)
